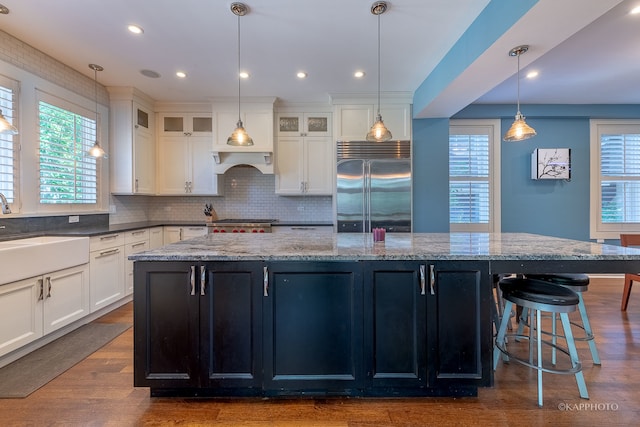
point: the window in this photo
(474, 192)
(615, 178)
(68, 175)
(9, 143)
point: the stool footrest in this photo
(572, 370)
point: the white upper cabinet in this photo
(304, 124)
(185, 151)
(186, 124)
(132, 153)
(354, 117)
(304, 154)
(304, 166)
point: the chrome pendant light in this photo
(7, 128)
(519, 130)
(379, 132)
(239, 137)
(96, 150)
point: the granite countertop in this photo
(291, 246)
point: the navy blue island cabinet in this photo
(312, 328)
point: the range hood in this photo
(257, 116)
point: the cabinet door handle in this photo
(136, 185)
(193, 280)
(48, 280)
(109, 252)
(110, 237)
(302, 186)
(203, 277)
(135, 245)
(265, 279)
(432, 280)
(41, 291)
(423, 280)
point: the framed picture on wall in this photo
(551, 163)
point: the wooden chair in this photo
(627, 240)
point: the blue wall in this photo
(552, 207)
(431, 175)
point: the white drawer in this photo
(136, 236)
(106, 241)
(134, 247)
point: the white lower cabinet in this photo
(107, 277)
(134, 241)
(174, 234)
(156, 237)
(310, 230)
(42, 304)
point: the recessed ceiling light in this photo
(301, 74)
(635, 10)
(244, 75)
(181, 74)
(4, 10)
(358, 74)
(532, 74)
(135, 29)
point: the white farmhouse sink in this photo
(24, 258)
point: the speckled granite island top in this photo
(398, 246)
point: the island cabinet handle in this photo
(432, 280)
(193, 280)
(423, 280)
(265, 271)
(203, 277)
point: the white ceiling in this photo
(333, 38)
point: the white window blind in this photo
(469, 179)
(620, 181)
(67, 174)
(474, 175)
(615, 178)
(8, 145)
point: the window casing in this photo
(474, 176)
(9, 144)
(615, 178)
(67, 174)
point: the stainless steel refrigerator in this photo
(373, 186)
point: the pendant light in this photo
(7, 128)
(96, 150)
(378, 132)
(519, 130)
(239, 137)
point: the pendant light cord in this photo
(518, 81)
(95, 95)
(239, 78)
(379, 64)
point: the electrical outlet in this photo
(112, 208)
(74, 218)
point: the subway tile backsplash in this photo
(247, 194)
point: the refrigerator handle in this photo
(366, 203)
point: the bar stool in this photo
(578, 283)
(539, 296)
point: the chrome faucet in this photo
(5, 205)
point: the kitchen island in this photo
(290, 315)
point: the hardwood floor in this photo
(99, 392)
